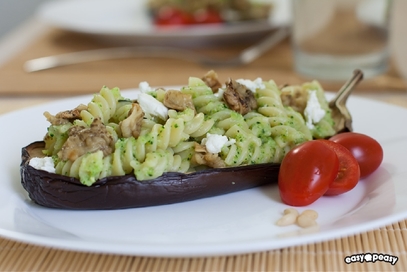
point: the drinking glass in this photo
(332, 38)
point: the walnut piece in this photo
(131, 126)
(178, 101)
(82, 140)
(203, 157)
(295, 97)
(212, 81)
(65, 117)
(239, 98)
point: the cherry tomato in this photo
(207, 16)
(349, 172)
(169, 16)
(306, 173)
(367, 151)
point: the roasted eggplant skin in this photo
(121, 192)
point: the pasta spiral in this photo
(287, 126)
(110, 107)
(87, 168)
(227, 122)
(154, 163)
(103, 106)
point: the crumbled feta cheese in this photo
(144, 87)
(46, 164)
(219, 93)
(313, 112)
(152, 106)
(215, 142)
(252, 85)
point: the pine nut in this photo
(287, 219)
(305, 221)
(291, 210)
(310, 213)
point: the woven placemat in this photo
(276, 64)
(324, 256)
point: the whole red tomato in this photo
(367, 151)
(306, 173)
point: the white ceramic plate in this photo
(129, 20)
(239, 222)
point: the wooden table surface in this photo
(19, 89)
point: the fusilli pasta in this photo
(263, 135)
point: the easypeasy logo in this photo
(371, 257)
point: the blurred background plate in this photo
(128, 21)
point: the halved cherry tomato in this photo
(306, 173)
(172, 16)
(367, 151)
(169, 16)
(348, 174)
(207, 16)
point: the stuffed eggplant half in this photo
(118, 192)
(166, 146)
